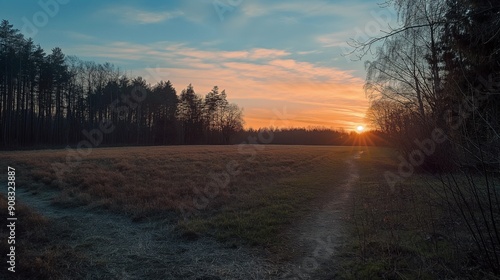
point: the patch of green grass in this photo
(271, 208)
(261, 219)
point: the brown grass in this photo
(405, 234)
(152, 180)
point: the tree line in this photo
(439, 70)
(434, 89)
(53, 99)
(313, 136)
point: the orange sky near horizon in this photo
(274, 86)
(273, 91)
(330, 104)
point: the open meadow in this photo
(231, 139)
(228, 212)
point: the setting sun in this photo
(360, 128)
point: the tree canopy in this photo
(52, 99)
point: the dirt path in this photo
(122, 249)
(318, 236)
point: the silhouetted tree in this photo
(51, 99)
(190, 113)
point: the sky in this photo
(287, 63)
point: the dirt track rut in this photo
(318, 236)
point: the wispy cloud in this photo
(308, 52)
(136, 15)
(302, 8)
(335, 39)
(171, 51)
(79, 36)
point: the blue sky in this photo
(280, 60)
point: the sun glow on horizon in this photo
(360, 128)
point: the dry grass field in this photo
(240, 196)
(151, 181)
(228, 212)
